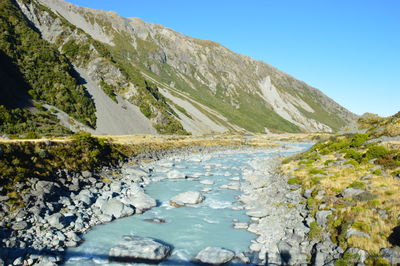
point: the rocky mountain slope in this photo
(180, 84)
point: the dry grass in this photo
(165, 141)
(379, 215)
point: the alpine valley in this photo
(66, 68)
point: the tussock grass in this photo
(376, 211)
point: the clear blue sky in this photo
(349, 49)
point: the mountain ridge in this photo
(134, 59)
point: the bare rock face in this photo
(137, 249)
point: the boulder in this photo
(105, 218)
(361, 254)
(139, 172)
(189, 197)
(215, 256)
(113, 207)
(175, 174)
(116, 187)
(351, 192)
(258, 212)
(322, 217)
(141, 201)
(57, 220)
(392, 255)
(19, 225)
(207, 182)
(136, 249)
(353, 232)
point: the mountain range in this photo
(66, 68)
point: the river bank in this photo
(58, 212)
(281, 219)
(40, 232)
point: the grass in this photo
(363, 212)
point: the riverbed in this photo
(219, 176)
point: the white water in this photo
(188, 229)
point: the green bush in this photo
(42, 72)
(315, 232)
(315, 171)
(19, 123)
(358, 140)
(347, 259)
(19, 161)
(375, 152)
(357, 184)
(353, 154)
(294, 180)
(377, 172)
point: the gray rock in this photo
(18, 261)
(258, 212)
(215, 255)
(20, 225)
(105, 218)
(175, 174)
(71, 244)
(362, 254)
(44, 187)
(141, 201)
(322, 217)
(113, 207)
(57, 220)
(351, 192)
(86, 174)
(207, 182)
(116, 187)
(320, 258)
(137, 172)
(354, 232)
(243, 258)
(392, 255)
(73, 236)
(139, 249)
(189, 197)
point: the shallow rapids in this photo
(191, 228)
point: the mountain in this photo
(145, 78)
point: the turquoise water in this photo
(188, 229)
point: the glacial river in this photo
(188, 229)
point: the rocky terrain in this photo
(59, 211)
(158, 80)
(352, 184)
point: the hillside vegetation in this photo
(357, 178)
(213, 88)
(33, 69)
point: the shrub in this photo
(353, 154)
(347, 259)
(315, 232)
(327, 162)
(361, 226)
(358, 140)
(389, 161)
(352, 162)
(20, 161)
(376, 151)
(358, 184)
(316, 171)
(294, 180)
(377, 172)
